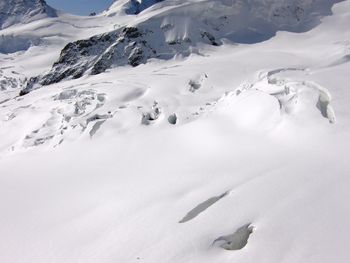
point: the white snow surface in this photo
(236, 153)
(14, 11)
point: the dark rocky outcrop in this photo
(96, 54)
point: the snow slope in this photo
(179, 27)
(15, 11)
(234, 153)
(40, 41)
(130, 7)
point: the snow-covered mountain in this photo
(175, 131)
(177, 28)
(24, 11)
(130, 7)
(137, 6)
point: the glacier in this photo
(175, 131)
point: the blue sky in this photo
(80, 7)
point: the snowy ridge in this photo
(24, 11)
(179, 27)
(130, 7)
(137, 6)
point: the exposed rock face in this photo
(95, 55)
(178, 28)
(15, 11)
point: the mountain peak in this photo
(137, 6)
(16, 11)
(131, 7)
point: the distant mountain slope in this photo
(136, 7)
(178, 27)
(130, 7)
(15, 11)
